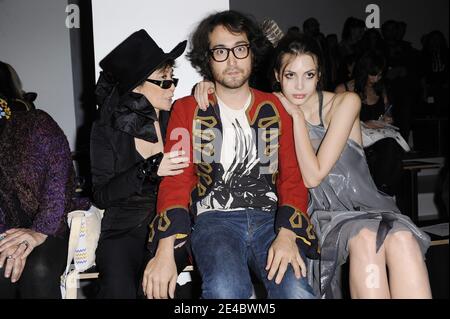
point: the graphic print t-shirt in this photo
(241, 185)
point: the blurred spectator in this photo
(372, 41)
(311, 27)
(346, 67)
(385, 156)
(351, 34)
(334, 61)
(434, 71)
(402, 76)
(293, 29)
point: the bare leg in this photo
(368, 277)
(408, 275)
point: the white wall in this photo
(167, 22)
(35, 41)
(422, 16)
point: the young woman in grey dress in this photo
(352, 218)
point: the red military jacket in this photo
(192, 130)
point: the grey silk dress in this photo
(346, 201)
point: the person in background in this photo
(352, 33)
(385, 156)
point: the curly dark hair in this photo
(296, 43)
(235, 22)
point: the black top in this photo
(373, 111)
(128, 199)
(370, 111)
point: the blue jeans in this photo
(226, 244)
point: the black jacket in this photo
(128, 199)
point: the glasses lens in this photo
(240, 51)
(167, 84)
(220, 54)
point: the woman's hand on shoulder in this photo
(173, 163)
(201, 91)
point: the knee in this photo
(363, 240)
(292, 288)
(401, 241)
(40, 269)
(226, 286)
(223, 290)
(363, 245)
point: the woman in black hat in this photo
(135, 87)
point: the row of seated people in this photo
(127, 166)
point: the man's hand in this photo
(282, 252)
(160, 275)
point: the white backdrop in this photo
(167, 21)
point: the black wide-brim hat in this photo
(133, 60)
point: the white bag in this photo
(85, 227)
(373, 135)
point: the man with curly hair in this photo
(243, 186)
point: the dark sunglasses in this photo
(164, 84)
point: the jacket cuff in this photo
(295, 220)
(148, 169)
(173, 221)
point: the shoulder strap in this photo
(320, 93)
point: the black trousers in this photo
(385, 163)
(121, 258)
(41, 275)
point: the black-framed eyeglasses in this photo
(240, 51)
(164, 84)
